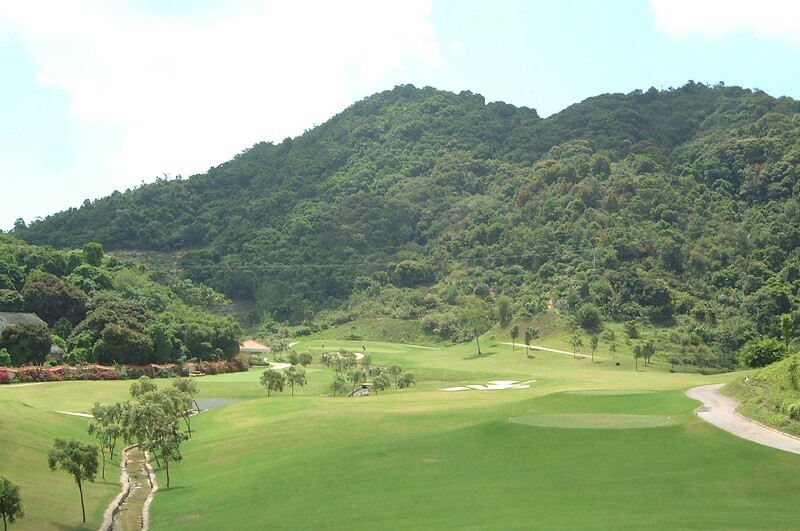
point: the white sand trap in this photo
(88, 416)
(495, 385)
(279, 366)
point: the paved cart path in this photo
(720, 411)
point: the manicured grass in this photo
(423, 458)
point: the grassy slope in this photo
(421, 458)
(766, 395)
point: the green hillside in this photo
(674, 208)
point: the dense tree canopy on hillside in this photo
(123, 312)
(659, 205)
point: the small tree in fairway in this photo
(514, 336)
(593, 341)
(273, 380)
(79, 460)
(338, 385)
(10, 502)
(380, 383)
(295, 376)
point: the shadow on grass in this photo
(484, 354)
(68, 527)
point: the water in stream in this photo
(129, 515)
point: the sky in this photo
(103, 95)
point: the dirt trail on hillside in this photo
(720, 411)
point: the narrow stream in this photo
(129, 512)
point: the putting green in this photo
(609, 392)
(595, 421)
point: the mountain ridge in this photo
(649, 205)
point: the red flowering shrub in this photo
(4, 377)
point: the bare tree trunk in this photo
(166, 467)
(103, 452)
(83, 509)
(479, 344)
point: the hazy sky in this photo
(97, 96)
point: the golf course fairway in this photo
(585, 446)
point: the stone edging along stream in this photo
(114, 508)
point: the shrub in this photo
(589, 316)
(762, 352)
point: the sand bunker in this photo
(496, 385)
(595, 421)
(608, 392)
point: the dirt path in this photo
(130, 510)
(536, 347)
(720, 411)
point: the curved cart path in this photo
(720, 411)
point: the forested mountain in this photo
(677, 206)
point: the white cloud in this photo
(190, 90)
(718, 18)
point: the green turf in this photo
(423, 458)
(615, 421)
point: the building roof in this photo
(13, 318)
(250, 346)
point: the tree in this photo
(11, 301)
(338, 385)
(406, 381)
(380, 383)
(62, 328)
(475, 319)
(166, 440)
(761, 352)
(366, 363)
(637, 353)
(504, 310)
(10, 502)
(273, 380)
(51, 298)
(106, 427)
(295, 376)
(395, 372)
(589, 316)
(5, 357)
(787, 328)
(611, 337)
(306, 358)
(648, 349)
(77, 459)
(181, 404)
(576, 341)
(593, 341)
(93, 254)
(26, 342)
(142, 386)
(355, 377)
(123, 344)
(531, 333)
(514, 335)
(187, 386)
